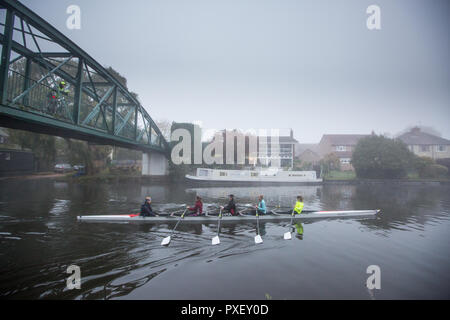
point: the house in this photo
(16, 162)
(426, 145)
(268, 155)
(307, 152)
(342, 145)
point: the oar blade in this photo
(258, 239)
(215, 240)
(165, 241)
(287, 236)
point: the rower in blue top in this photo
(261, 207)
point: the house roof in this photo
(281, 139)
(287, 139)
(302, 147)
(343, 139)
(309, 152)
(418, 137)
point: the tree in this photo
(330, 162)
(380, 157)
(165, 128)
(93, 157)
(42, 146)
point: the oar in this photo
(245, 210)
(177, 211)
(287, 235)
(166, 240)
(216, 239)
(258, 238)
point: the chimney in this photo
(292, 133)
(415, 130)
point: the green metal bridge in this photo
(94, 106)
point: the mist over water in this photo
(40, 237)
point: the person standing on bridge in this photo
(62, 89)
(55, 95)
(146, 209)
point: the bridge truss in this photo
(94, 105)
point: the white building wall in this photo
(433, 151)
(154, 164)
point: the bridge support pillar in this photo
(154, 164)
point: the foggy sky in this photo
(308, 65)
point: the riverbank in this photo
(113, 178)
(100, 177)
(349, 177)
(40, 175)
(107, 177)
(390, 181)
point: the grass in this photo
(351, 175)
(340, 175)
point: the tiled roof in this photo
(417, 137)
(302, 147)
(281, 139)
(343, 139)
(287, 140)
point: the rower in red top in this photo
(196, 210)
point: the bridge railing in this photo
(93, 103)
(41, 99)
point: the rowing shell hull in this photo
(213, 219)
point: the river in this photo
(40, 237)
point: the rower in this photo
(231, 206)
(298, 205)
(197, 209)
(261, 207)
(146, 208)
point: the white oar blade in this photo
(215, 240)
(258, 239)
(287, 236)
(165, 241)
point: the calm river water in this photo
(40, 237)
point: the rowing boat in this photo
(274, 216)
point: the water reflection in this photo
(40, 237)
(298, 228)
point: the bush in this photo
(444, 162)
(377, 157)
(428, 168)
(420, 163)
(433, 171)
(304, 166)
(330, 162)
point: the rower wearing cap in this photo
(146, 209)
(231, 206)
(298, 205)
